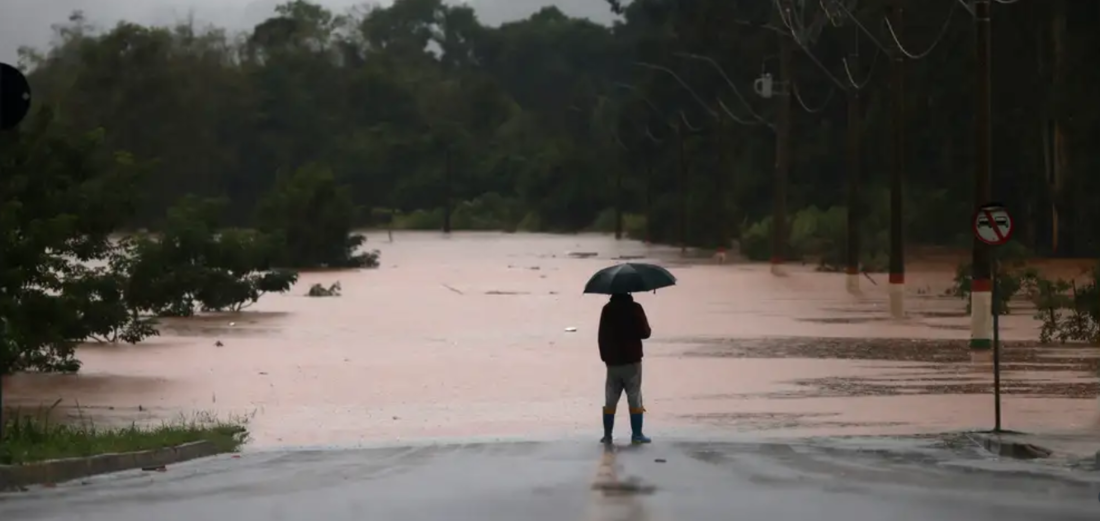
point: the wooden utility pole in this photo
(855, 205)
(1058, 143)
(720, 187)
(447, 203)
(782, 153)
(897, 167)
(619, 200)
(649, 200)
(981, 296)
(682, 186)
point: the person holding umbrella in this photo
(623, 327)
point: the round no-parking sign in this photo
(992, 224)
(15, 96)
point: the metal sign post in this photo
(993, 226)
(15, 102)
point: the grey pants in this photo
(624, 378)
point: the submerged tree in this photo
(310, 216)
(61, 196)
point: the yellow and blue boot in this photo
(636, 436)
(608, 424)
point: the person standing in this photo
(623, 326)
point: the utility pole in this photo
(981, 287)
(619, 203)
(720, 188)
(897, 167)
(447, 211)
(782, 154)
(682, 187)
(855, 205)
(649, 200)
(1058, 143)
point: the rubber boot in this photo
(636, 436)
(608, 424)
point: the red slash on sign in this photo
(993, 225)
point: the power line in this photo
(735, 119)
(966, 6)
(806, 107)
(805, 49)
(733, 86)
(859, 85)
(682, 83)
(935, 42)
(863, 28)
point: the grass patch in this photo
(34, 437)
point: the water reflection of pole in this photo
(996, 347)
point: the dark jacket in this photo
(623, 326)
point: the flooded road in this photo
(466, 336)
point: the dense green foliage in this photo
(533, 122)
(65, 279)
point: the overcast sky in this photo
(27, 22)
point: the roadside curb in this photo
(1009, 448)
(68, 469)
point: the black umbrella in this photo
(631, 277)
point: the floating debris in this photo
(317, 290)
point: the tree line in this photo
(552, 123)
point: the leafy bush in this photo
(309, 217)
(61, 196)
(1013, 276)
(1069, 312)
(633, 224)
(818, 234)
(419, 220)
(192, 267)
(532, 222)
(489, 211)
(756, 240)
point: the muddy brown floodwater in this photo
(466, 336)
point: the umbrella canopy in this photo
(631, 277)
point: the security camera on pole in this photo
(768, 88)
(15, 102)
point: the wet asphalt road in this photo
(574, 480)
